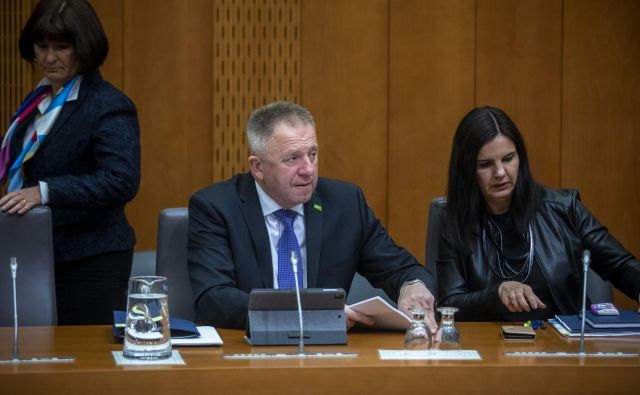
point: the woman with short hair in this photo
(74, 145)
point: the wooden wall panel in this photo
(168, 63)
(111, 14)
(344, 84)
(388, 81)
(430, 87)
(519, 69)
(256, 55)
(601, 113)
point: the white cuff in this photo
(44, 192)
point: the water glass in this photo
(447, 337)
(147, 334)
(418, 336)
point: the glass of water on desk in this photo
(447, 337)
(418, 336)
(147, 334)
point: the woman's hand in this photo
(21, 201)
(518, 297)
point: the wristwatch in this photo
(411, 282)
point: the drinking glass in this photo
(418, 336)
(447, 337)
(147, 334)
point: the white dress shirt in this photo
(275, 229)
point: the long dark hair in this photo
(465, 203)
(73, 21)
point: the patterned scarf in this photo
(43, 124)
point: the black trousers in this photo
(88, 290)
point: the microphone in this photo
(14, 272)
(16, 355)
(586, 260)
(294, 263)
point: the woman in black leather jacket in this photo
(511, 249)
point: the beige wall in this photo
(388, 81)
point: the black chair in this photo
(171, 260)
(29, 238)
(598, 290)
(434, 225)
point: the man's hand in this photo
(21, 201)
(352, 316)
(417, 295)
(519, 297)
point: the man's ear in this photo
(256, 167)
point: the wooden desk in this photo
(206, 371)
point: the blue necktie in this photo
(287, 243)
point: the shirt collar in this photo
(269, 206)
(73, 94)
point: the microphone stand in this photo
(14, 272)
(586, 260)
(294, 263)
(16, 355)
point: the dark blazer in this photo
(562, 229)
(91, 161)
(229, 252)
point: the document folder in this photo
(273, 317)
(180, 329)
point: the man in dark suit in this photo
(236, 230)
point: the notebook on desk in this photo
(569, 325)
(627, 319)
(183, 332)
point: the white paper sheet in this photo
(208, 337)
(384, 315)
(174, 359)
(429, 355)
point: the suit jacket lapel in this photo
(252, 212)
(70, 107)
(313, 229)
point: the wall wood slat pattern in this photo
(16, 75)
(256, 55)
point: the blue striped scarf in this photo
(43, 124)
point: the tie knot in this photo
(286, 217)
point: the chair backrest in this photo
(29, 238)
(598, 290)
(434, 225)
(171, 260)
